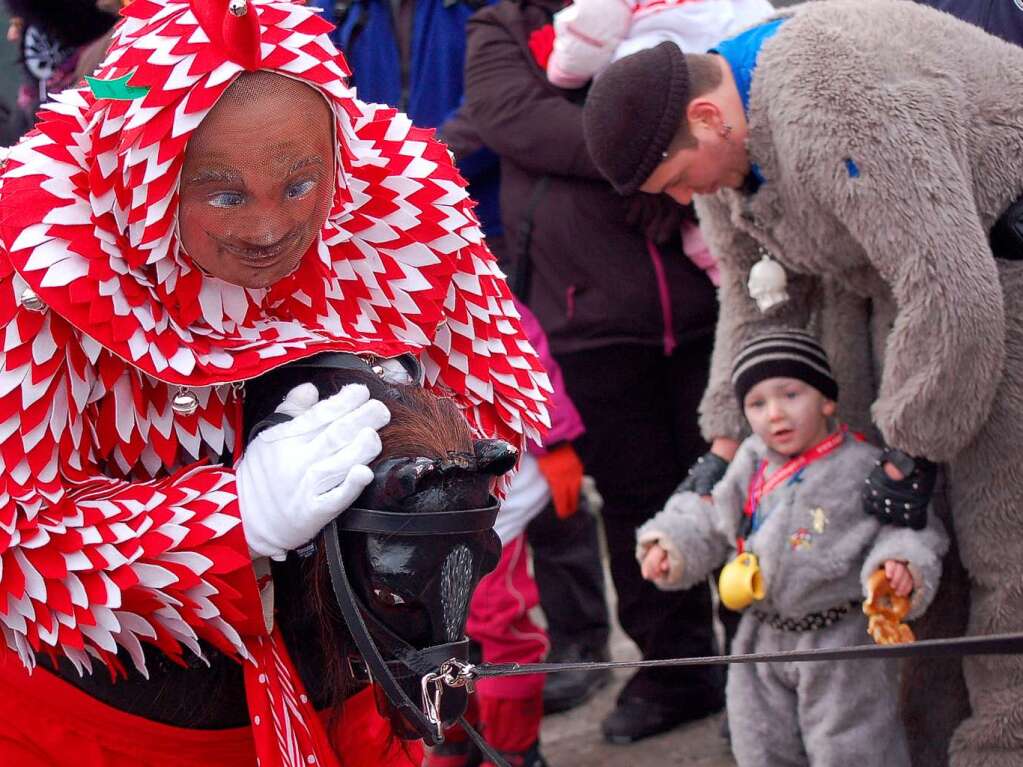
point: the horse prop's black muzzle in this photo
(406, 676)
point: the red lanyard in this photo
(759, 487)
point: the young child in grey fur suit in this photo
(816, 550)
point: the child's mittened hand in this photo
(899, 576)
(655, 565)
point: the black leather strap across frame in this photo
(993, 644)
(352, 361)
(420, 523)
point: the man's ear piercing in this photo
(726, 131)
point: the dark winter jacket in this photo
(1003, 18)
(593, 278)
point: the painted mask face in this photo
(258, 180)
(790, 416)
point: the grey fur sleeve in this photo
(921, 549)
(698, 534)
(912, 210)
(739, 319)
(686, 529)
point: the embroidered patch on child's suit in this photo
(801, 540)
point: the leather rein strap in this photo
(430, 665)
(378, 668)
(994, 644)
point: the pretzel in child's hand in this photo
(886, 609)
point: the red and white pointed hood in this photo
(88, 217)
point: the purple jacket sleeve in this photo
(566, 423)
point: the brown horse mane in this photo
(423, 425)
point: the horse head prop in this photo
(385, 588)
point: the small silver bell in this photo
(238, 7)
(185, 402)
(31, 301)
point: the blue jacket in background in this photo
(1003, 18)
(435, 80)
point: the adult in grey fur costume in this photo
(816, 550)
(890, 140)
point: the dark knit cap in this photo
(783, 354)
(633, 111)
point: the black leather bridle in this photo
(431, 665)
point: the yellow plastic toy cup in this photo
(741, 582)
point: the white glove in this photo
(297, 476)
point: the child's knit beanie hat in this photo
(633, 111)
(783, 354)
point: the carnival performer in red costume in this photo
(215, 203)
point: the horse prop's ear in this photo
(494, 456)
(396, 480)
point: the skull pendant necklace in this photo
(767, 282)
